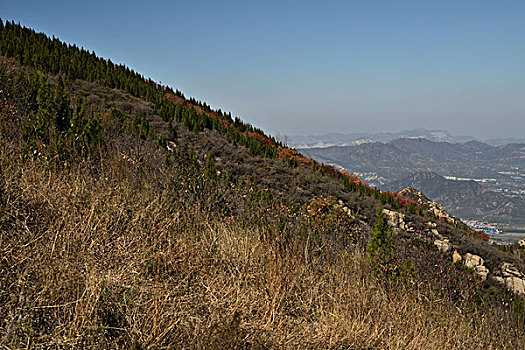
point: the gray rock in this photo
(482, 272)
(515, 284)
(472, 260)
(442, 245)
(509, 270)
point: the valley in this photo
(473, 180)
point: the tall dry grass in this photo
(107, 261)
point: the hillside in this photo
(134, 217)
(466, 199)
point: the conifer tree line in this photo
(52, 56)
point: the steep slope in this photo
(133, 217)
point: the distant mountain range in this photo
(354, 139)
(498, 170)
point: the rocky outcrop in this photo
(475, 262)
(394, 218)
(435, 208)
(482, 272)
(512, 278)
(397, 220)
(509, 270)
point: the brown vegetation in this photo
(108, 261)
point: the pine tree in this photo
(381, 249)
(211, 170)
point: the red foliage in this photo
(480, 234)
(261, 138)
(352, 178)
(175, 99)
(330, 170)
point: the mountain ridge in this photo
(353, 139)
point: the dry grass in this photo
(108, 262)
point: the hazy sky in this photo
(301, 67)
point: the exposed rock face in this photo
(456, 257)
(397, 220)
(512, 278)
(437, 234)
(472, 260)
(442, 245)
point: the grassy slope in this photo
(111, 262)
(119, 253)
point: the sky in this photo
(312, 67)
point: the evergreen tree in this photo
(211, 171)
(381, 249)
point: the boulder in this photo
(499, 279)
(482, 272)
(437, 234)
(394, 218)
(509, 270)
(515, 284)
(442, 245)
(456, 257)
(472, 260)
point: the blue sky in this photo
(304, 67)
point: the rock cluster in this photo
(509, 275)
(397, 220)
